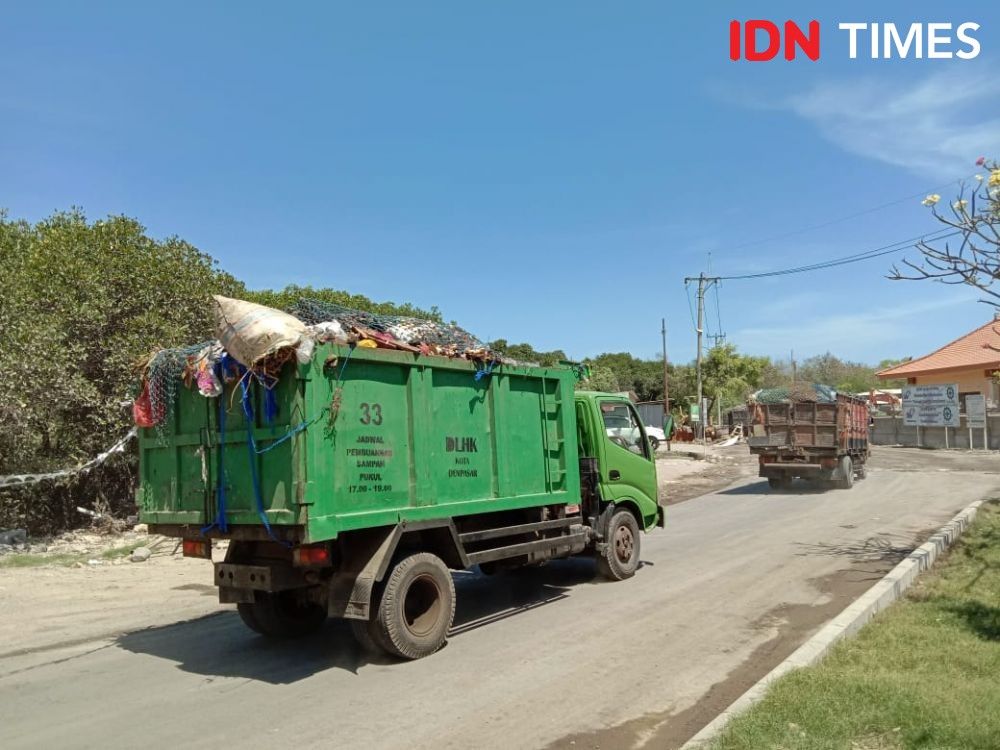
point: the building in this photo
(970, 361)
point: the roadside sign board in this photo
(695, 413)
(975, 410)
(931, 405)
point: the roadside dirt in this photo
(791, 624)
(51, 606)
(683, 476)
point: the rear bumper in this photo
(796, 469)
(787, 466)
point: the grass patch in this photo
(115, 552)
(923, 674)
(27, 560)
(64, 559)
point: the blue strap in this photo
(486, 371)
(270, 405)
(252, 449)
(292, 432)
(220, 484)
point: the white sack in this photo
(249, 331)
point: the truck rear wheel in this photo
(620, 558)
(779, 483)
(368, 634)
(846, 480)
(284, 614)
(416, 608)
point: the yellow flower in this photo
(932, 199)
(960, 205)
(995, 177)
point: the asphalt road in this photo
(738, 579)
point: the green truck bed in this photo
(363, 438)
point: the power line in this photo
(721, 336)
(687, 291)
(894, 247)
(831, 222)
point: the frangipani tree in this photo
(967, 250)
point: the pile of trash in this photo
(797, 393)
(256, 342)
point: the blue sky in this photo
(546, 172)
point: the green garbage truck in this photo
(353, 483)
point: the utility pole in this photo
(666, 384)
(793, 367)
(704, 282)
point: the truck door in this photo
(627, 469)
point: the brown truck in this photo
(813, 433)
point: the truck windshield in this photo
(622, 425)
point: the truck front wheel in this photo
(620, 558)
(417, 607)
(285, 614)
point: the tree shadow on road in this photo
(220, 645)
(484, 600)
(884, 549)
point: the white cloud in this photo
(881, 329)
(937, 125)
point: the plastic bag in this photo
(249, 331)
(209, 384)
(142, 410)
(329, 330)
(304, 351)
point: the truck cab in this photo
(616, 455)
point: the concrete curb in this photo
(848, 622)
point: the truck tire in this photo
(846, 480)
(863, 471)
(416, 608)
(620, 558)
(282, 615)
(779, 483)
(369, 636)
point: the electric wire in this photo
(877, 252)
(718, 314)
(687, 290)
(831, 222)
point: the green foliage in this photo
(731, 376)
(601, 379)
(82, 302)
(645, 377)
(527, 353)
(284, 298)
(852, 377)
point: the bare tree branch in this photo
(975, 261)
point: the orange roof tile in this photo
(974, 349)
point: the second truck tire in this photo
(620, 558)
(282, 614)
